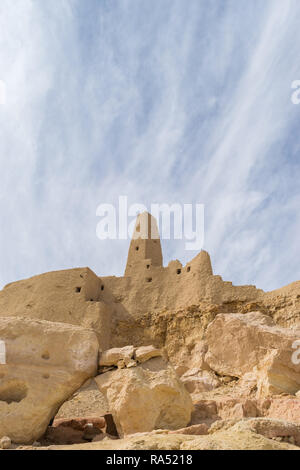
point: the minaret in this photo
(145, 248)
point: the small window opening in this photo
(78, 289)
(102, 287)
(178, 271)
(148, 266)
(136, 248)
(149, 279)
(188, 269)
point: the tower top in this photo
(145, 247)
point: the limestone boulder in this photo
(227, 408)
(287, 409)
(144, 353)
(147, 397)
(197, 380)
(234, 408)
(271, 429)
(117, 357)
(45, 363)
(242, 343)
(224, 408)
(276, 373)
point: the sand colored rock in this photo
(71, 296)
(232, 408)
(45, 363)
(128, 356)
(112, 357)
(287, 409)
(239, 344)
(197, 380)
(146, 397)
(227, 408)
(144, 353)
(269, 428)
(5, 443)
(277, 374)
(233, 438)
(195, 430)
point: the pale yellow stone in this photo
(197, 380)
(146, 397)
(45, 363)
(144, 353)
(117, 356)
(251, 343)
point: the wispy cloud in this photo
(164, 101)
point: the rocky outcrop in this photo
(284, 408)
(128, 356)
(149, 396)
(144, 353)
(239, 344)
(119, 357)
(228, 408)
(197, 380)
(236, 435)
(45, 363)
(270, 428)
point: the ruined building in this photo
(149, 304)
(197, 367)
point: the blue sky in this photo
(168, 101)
